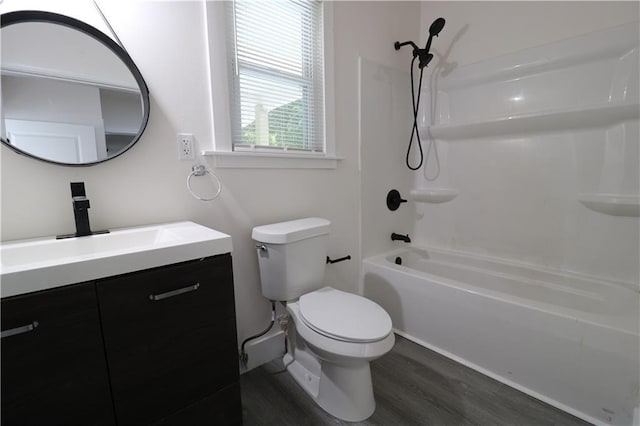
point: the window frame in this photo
(219, 68)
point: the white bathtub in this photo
(566, 339)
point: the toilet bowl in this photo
(329, 352)
(332, 335)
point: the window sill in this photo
(264, 160)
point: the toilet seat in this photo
(344, 316)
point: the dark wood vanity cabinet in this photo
(170, 339)
(166, 336)
(53, 363)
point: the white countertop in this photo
(42, 263)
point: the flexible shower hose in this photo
(415, 103)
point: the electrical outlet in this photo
(185, 146)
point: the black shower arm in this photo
(398, 45)
(416, 49)
(423, 54)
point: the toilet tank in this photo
(292, 257)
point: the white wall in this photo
(147, 184)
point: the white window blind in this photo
(277, 77)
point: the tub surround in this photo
(542, 148)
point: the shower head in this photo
(423, 55)
(434, 30)
(436, 27)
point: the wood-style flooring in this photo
(412, 386)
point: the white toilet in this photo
(332, 335)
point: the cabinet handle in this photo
(172, 293)
(19, 330)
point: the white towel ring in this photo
(200, 170)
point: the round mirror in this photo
(70, 94)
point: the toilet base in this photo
(344, 391)
(334, 373)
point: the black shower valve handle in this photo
(394, 199)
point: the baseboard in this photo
(263, 350)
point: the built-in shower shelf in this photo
(544, 121)
(433, 195)
(612, 204)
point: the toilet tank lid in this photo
(290, 231)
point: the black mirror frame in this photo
(55, 18)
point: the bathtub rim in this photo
(628, 324)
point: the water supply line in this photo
(244, 357)
(424, 58)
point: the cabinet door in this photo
(170, 337)
(53, 364)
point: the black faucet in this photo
(398, 237)
(81, 207)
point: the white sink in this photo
(42, 263)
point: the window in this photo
(277, 94)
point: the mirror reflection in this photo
(66, 96)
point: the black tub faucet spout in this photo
(398, 237)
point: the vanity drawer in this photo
(170, 337)
(53, 364)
